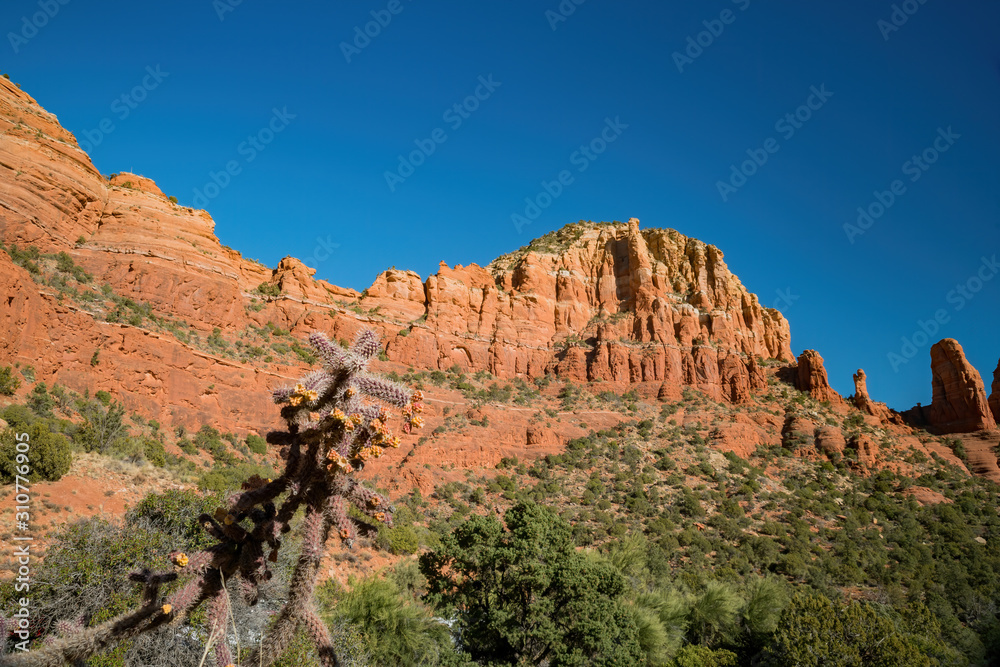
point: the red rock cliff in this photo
(995, 395)
(811, 378)
(959, 403)
(606, 302)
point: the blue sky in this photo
(555, 80)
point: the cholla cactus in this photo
(337, 419)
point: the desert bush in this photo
(48, 456)
(256, 444)
(815, 631)
(103, 427)
(9, 382)
(395, 630)
(400, 540)
(226, 477)
(267, 289)
(40, 401)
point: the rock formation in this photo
(959, 403)
(591, 302)
(863, 402)
(995, 394)
(811, 378)
(867, 450)
(604, 302)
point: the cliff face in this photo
(601, 302)
(959, 403)
(811, 378)
(605, 302)
(995, 395)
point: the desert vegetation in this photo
(667, 551)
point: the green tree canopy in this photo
(522, 594)
(815, 631)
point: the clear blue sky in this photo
(323, 175)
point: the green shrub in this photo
(815, 631)
(701, 656)
(400, 540)
(103, 428)
(229, 477)
(39, 400)
(9, 382)
(18, 416)
(267, 289)
(48, 456)
(176, 513)
(395, 630)
(154, 452)
(256, 444)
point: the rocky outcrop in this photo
(867, 449)
(591, 302)
(136, 182)
(995, 395)
(606, 302)
(799, 435)
(863, 402)
(153, 374)
(959, 403)
(830, 440)
(811, 378)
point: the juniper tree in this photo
(337, 418)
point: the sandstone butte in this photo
(605, 302)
